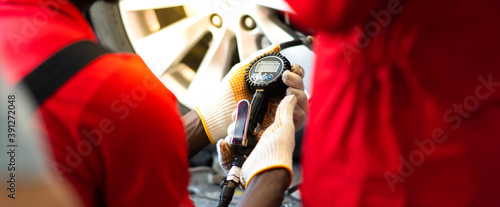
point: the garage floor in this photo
(205, 194)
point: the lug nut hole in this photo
(248, 23)
(216, 20)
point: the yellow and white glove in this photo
(273, 150)
(216, 114)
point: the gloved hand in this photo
(216, 114)
(274, 149)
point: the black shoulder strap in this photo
(54, 72)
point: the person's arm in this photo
(196, 136)
(142, 140)
(266, 189)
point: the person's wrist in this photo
(280, 177)
(256, 174)
(195, 134)
(267, 189)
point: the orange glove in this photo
(216, 114)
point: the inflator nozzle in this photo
(307, 41)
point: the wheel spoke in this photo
(171, 37)
(279, 5)
(168, 46)
(212, 68)
(277, 33)
(247, 43)
(274, 30)
(134, 5)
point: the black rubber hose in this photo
(227, 193)
(302, 41)
(229, 186)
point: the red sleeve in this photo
(411, 118)
(143, 153)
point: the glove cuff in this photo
(217, 115)
(268, 156)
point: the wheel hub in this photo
(191, 44)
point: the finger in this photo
(233, 115)
(286, 108)
(299, 116)
(230, 130)
(225, 143)
(293, 80)
(297, 69)
(302, 100)
(272, 48)
(224, 152)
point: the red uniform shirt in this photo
(114, 128)
(405, 103)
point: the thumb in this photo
(230, 130)
(285, 109)
(225, 154)
(273, 48)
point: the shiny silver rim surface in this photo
(191, 44)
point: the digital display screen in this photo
(267, 67)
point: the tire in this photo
(107, 22)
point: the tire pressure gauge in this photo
(265, 73)
(263, 78)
